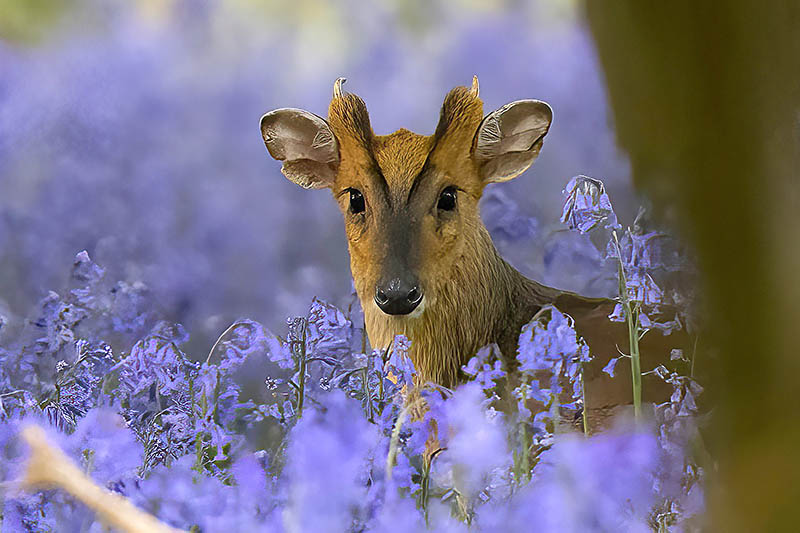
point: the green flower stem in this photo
(636, 369)
(584, 407)
(632, 318)
(302, 378)
(525, 464)
(367, 393)
(555, 415)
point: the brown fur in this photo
(472, 296)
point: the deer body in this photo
(422, 261)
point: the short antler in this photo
(475, 91)
(337, 87)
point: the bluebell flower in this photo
(618, 314)
(326, 459)
(525, 392)
(219, 399)
(639, 262)
(399, 363)
(612, 471)
(679, 483)
(131, 309)
(279, 352)
(179, 424)
(544, 344)
(549, 342)
(485, 367)
(109, 449)
(179, 495)
(550, 349)
(246, 338)
(432, 424)
(611, 366)
(57, 319)
(154, 360)
(476, 445)
(587, 205)
(329, 332)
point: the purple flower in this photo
(615, 469)
(326, 460)
(485, 367)
(180, 496)
(399, 363)
(107, 446)
(618, 314)
(639, 260)
(108, 115)
(549, 346)
(329, 332)
(611, 366)
(156, 360)
(86, 275)
(131, 309)
(477, 443)
(246, 338)
(587, 205)
(279, 352)
(544, 344)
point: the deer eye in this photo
(356, 201)
(447, 200)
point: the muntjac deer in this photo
(423, 263)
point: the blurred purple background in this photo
(131, 130)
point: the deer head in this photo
(409, 201)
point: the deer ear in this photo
(508, 140)
(305, 144)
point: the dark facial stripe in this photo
(427, 170)
(458, 106)
(381, 178)
(454, 104)
(350, 112)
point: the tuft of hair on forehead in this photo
(461, 114)
(349, 121)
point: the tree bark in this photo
(705, 100)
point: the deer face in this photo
(410, 202)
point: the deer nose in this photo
(398, 297)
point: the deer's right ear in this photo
(305, 144)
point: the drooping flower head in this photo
(587, 205)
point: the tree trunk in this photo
(705, 99)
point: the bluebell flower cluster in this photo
(640, 257)
(158, 170)
(587, 205)
(550, 343)
(142, 133)
(177, 435)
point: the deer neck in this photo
(484, 300)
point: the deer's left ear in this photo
(508, 140)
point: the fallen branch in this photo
(49, 468)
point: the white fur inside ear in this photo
(306, 145)
(489, 137)
(325, 143)
(508, 140)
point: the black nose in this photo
(398, 297)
